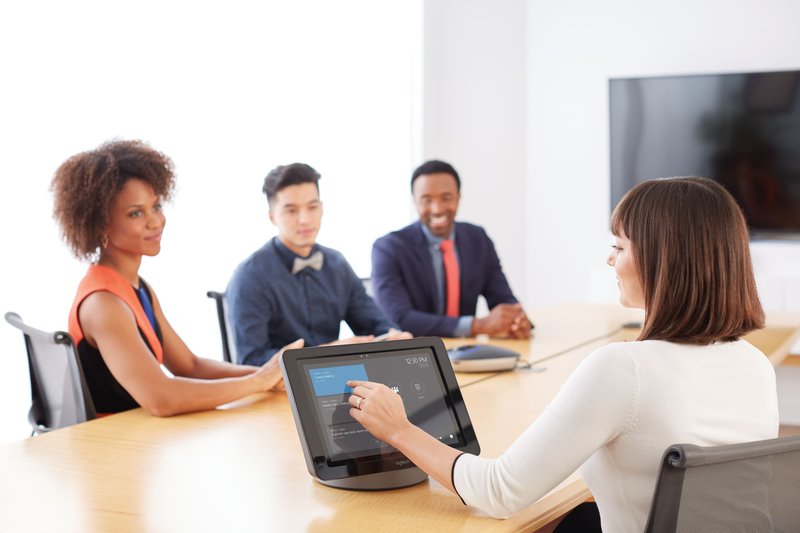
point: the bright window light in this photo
(228, 91)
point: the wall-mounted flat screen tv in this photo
(742, 130)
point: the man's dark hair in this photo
(284, 176)
(434, 166)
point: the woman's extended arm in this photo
(386, 419)
(109, 325)
(596, 403)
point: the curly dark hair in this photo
(85, 185)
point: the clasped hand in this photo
(504, 320)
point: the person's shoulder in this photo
(471, 231)
(621, 349)
(616, 355)
(755, 358)
(103, 308)
(746, 351)
(256, 264)
(634, 349)
(744, 347)
(332, 257)
(404, 233)
(612, 366)
(400, 236)
(265, 254)
(469, 226)
(658, 353)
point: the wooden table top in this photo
(241, 467)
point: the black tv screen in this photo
(742, 130)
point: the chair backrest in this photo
(228, 346)
(59, 394)
(753, 486)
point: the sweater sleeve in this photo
(597, 403)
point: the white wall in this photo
(474, 102)
(516, 97)
(228, 92)
(573, 48)
(528, 128)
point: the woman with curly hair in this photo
(108, 205)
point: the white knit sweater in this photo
(615, 416)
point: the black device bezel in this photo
(306, 421)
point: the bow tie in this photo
(313, 261)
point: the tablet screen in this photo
(410, 373)
(334, 444)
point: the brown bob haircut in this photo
(691, 249)
(85, 185)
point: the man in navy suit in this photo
(427, 276)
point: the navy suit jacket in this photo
(405, 286)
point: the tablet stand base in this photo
(394, 479)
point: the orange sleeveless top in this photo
(101, 278)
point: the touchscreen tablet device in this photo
(338, 450)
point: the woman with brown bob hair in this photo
(108, 205)
(681, 254)
(697, 276)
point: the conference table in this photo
(241, 468)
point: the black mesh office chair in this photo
(228, 347)
(59, 394)
(750, 487)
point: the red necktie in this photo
(451, 276)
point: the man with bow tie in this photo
(293, 287)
